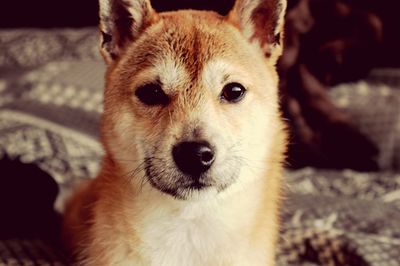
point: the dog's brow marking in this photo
(216, 73)
(171, 73)
(225, 78)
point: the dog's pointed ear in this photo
(261, 21)
(122, 21)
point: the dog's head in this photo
(191, 101)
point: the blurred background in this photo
(340, 91)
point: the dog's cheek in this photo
(258, 131)
(126, 136)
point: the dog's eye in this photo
(152, 94)
(233, 92)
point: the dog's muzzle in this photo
(193, 158)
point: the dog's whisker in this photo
(144, 180)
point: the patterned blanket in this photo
(50, 100)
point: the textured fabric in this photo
(50, 102)
(342, 218)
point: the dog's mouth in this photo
(197, 185)
(178, 189)
(170, 181)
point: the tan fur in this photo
(114, 219)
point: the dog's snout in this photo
(193, 158)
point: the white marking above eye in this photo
(218, 72)
(172, 73)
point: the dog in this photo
(193, 137)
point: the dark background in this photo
(80, 13)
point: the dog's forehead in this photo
(194, 37)
(191, 38)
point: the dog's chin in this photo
(193, 191)
(196, 192)
(186, 191)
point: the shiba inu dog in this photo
(193, 137)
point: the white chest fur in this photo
(193, 237)
(198, 234)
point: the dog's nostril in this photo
(206, 155)
(193, 158)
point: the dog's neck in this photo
(231, 222)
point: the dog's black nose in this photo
(193, 158)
